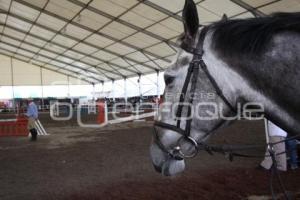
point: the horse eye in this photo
(168, 79)
(184, 61)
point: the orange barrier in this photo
(16, 127)
(101, 112)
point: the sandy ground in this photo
(113, 163)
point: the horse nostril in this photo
(169, 79)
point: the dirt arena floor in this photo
(113, 162)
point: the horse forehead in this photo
(183, 54)
(176, 64)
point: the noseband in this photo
(191, 78)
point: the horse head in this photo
(190, 111)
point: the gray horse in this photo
(248, 60)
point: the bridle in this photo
(191, 79)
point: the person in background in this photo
(276, 134)
(32, 114)
(291, 146)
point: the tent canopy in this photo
(103, 40)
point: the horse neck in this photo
(242, 82)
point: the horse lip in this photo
(161, 171)
(157, 169)
(165, 171)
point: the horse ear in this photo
(190, 19)
(224, 18)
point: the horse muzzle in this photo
(164, 163)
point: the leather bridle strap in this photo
(183, 93)
(169, 127)
(216, 86)
(193, 89)
(193, 69)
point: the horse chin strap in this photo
(191, 78)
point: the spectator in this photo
(32, 114)
(276, 134)
(291, 146)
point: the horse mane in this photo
(252, 36)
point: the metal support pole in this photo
(113, 90)
(267, 131)
(94, 95)
(125, 90)
(41, 74)
(249, 8)
(113, 94)
(157, 90)
(140, 87)
(12, 83)
(157, 86)
(102, 91)
(68, 86)
(125, 93)
(102, 88)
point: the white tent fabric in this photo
(104, 40)
(18, 73)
